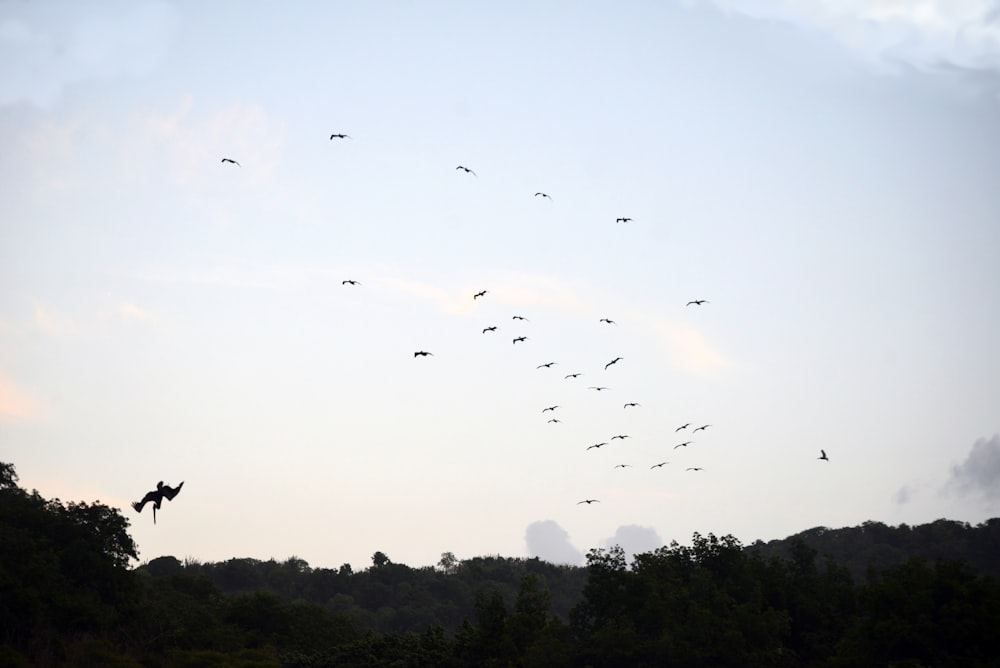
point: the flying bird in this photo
(822, 455)
(547, 365)
(694, 468)
(340, 136)
(683, 426)
(479, 294)
(621, 436)
(156, 496)
(572, 375)
(422, 353)
(683, 445)
(614, 361)
(630, 404)
(623, 466)
(596, 445)
(518, 317)
(622, 220)
(701, 428)
(521, 338)
(610, 322)
(542, 195)
(349, 281)
(656, 466)
(231, 161)
(697, 302)
(555, 420)
(466, 170)
(550, 408)
(588, 501)
(594, 387)
(491, 328)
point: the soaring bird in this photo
(349, 281)
(156, 496)
(610, 322)
(623, 466)
(521, 338)
(542, 195)
(466, 170)
(555, 420)
(550, 408)
(479, 294)
(701, 428)
(656, 466)
(231, 161)
(572, 375)
(683, 426)
(422, 353)
(594, 387)
(622, 220)
(694, 468)
(614, 361)
(491, 328)
(588, 501)
(519, 317)
(822, 455)
(630, 404)
(340, 135)
(621, 436)
(683, 445)
(596, 445)
(697, 302)
(547, 365)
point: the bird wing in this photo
(170, 492)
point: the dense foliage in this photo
(68, 598)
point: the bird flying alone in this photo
(339, 136)
(694, 468)
(588, 501)
(631, 404)
(520, 339)
(596, 445)
(701, 428)
(555, 420)
(621, 436)
(572, 375)
(623, 466)
(466, 170)
(349, 281)
(542, 195)
(231, 161)
(519, 317)
(422, 353)
(683, 445)
(622, 220)
(156, 497)
(656, 466)
(595, 387)
(481, 293)
(697, 302)
(683, 426)
(547, 365)
(491, 328)
(550, 408)
(822, 455)
(610, 322)
(614, 361)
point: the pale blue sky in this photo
(823, 173)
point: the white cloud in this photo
(980, 472)
(550, 542)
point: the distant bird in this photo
(550, 408)
(631, 404)
(683, 426)
(656, 466)
(521, 338)
(572, 375)
(594, 387)
(518, 317)
(701, 428)
(491, 328)
(466, 170)
(822, 455)
(614, 361)
(683, 445)
(547, 365)
(479, 294)
(542, 195)
(596, 445)
(697, 302)
(588, 501)
(694, 468)
(555, 420)
(610, 322)
(622, 220)
(422, 353)
(349, 281)
(623, 466)
(231, 161)
(156, 496)
(339, 136)
(621, 436)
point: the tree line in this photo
(68, 597)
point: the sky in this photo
(822, 173)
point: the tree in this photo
(448, 563)
(380, 559)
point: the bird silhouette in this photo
(610, 322)
(697, 302)
(588, 501)
(630, 404)
(701, 428)
(822, 455)
(482, 293)
(594, 387)
(621, 436)
(694, 468)
(597, 445)
(550, 408)
(555, 420)
(614, 361)
(683, 426)
(683, 445)
(547, 365)
(491, 328)
(422, 353)
(622, 220)
(466, 170)
(519, 317)
(572, 375)
(231, 161)
(542, 195)
(521, 338)
(156, 497)
(339, 136)
(656, 466)
(623, 466)
(349, 281)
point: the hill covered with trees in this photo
(68, 597)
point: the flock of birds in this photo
(166, 492)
